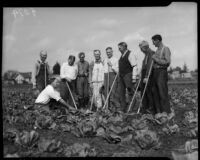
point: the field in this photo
(29, 133)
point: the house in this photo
(175, 74)
(12, 77)
(26, 76)
(186, 75)
(194, 75)
(9, 77)
(19, 79)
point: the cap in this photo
(143, 43)
(43, 53)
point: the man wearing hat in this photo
(82, 81)
(147, 102)
(41, 72)
(127, 74)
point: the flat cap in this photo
(143, 43)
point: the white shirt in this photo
(114, 62)
(133, 61)
(67, 71)
(98, 72)
(48, 93)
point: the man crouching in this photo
(51, 96)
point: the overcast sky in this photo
(64, 31)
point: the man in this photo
(82, 81)
(127, 74)
(51, 95)
(41, 72)
(68, 73)
(96, 77)
(162, 60)
(110, 71)
(147, 102)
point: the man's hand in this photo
(109, 64)
(101, 90)
(155, 58)
(145, 80)
(36, 92)
(69, 80)
(91, 84)
(86, 74)
(133, 80)
(34, 86)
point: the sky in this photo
(70, 30)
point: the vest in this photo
(42, 72)
(124, 65)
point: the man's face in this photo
(82, 58)
(97, 55)
(144, 49)
(122, 49)
(56, 83)
(43, 58)
(155, 42)
(71, 61)
(109, 53)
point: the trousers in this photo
(147, 102)
(97, 96)
(160, 90)
(125, 84)
(82, 87)
(113, 101)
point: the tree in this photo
(56, 68)
(177, 69)
(170, 70)
(185, 68)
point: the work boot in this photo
(86, 101)
(80, 102)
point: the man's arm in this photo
(87, 69)
(66, 104)
(149, 64)
(166, 59)
(34, 75)
(133, 61)
(90, 71)
(114, 65)
(62, 71)
(48, 68)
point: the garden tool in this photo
(110, 90)
(145, 86)
(71, 94)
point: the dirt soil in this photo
(22, 96)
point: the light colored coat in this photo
(37, 69)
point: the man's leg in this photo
(150, 96)
(114, 98)
(122, 93)
(163, 91)
(80, 91)
(129, 86)
(155, 91)
(40, 84)
(64, 91)
(142, 86)
(86, 92)
(106, 87)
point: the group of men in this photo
(112, 82)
